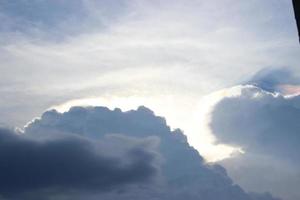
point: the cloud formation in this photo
(94, 152)
(272, 80)
(266, 126)
(72, 164)
(260, 121)
(109, 46)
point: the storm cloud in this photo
(72, 163)
(96, 153)
(266, 126)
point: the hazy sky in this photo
(163, 54)
(54, 51)
(175, 57)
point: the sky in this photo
(225, 72)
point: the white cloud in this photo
(182, 48)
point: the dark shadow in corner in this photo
(296, 4)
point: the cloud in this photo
(73, 164)
(153, 43)
(145, 52)
(259, 121)
(183, 173)
(266, 126)
(271, 79)
(57, 20)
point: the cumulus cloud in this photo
(266, 126)
(113, 154)
(70, 163)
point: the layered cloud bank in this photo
(265, 124)
(94, 152)
(60, 50)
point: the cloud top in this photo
(182, 171)
(266, 126)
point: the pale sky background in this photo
(171, 56)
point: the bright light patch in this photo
(199, 129)
(193, 117)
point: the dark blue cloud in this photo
(70, 163)
(269, 79)
(184, 175)
(267, 127)
(260, 122)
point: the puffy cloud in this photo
(266, 126)
(259, 121)
(268, 88)
(72, 163)
(182, 171)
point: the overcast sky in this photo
(175, 57)
(54, 51)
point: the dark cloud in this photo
(184, 175)
(264, 196)
(259, 121)
(70, 163)
(266, 125)
(270, 79)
